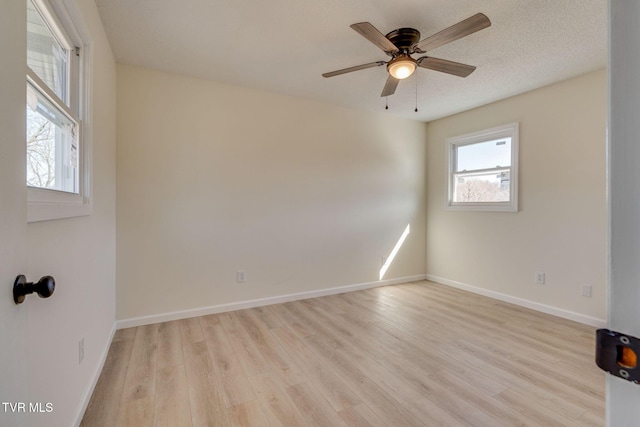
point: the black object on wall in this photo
(617, 354)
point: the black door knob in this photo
(21, 288)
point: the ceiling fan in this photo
(400, 44)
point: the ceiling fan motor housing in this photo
(404, 38)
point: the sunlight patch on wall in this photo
(394, 252)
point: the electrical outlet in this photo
(241, 276)
(586, 290)
(80, 350)
(539, 278)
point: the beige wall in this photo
(560, 228)
(80, 254)
(215, 178)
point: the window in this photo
(57, 148)
(483, 170)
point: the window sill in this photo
(482, 207)
(46, 205)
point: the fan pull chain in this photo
(416, 110)
(386, 102)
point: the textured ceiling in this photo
(284, 46)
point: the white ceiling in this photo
(284, 46)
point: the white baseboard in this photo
(240, 305)
(555, 311)
(96, 375)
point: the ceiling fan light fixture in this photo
(402, 66)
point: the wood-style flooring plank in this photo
(169, 345)
(172, 407)
(268, 317)
(313, 407)
(248, 414)
(250, 357)
(276, 404)
(360, 416)
(380, 399)
(278, 360)
(206, 395)
(136, 413)
(225, 359)
(141, 372)
(191, 330)
(332, 387)
(110, 383)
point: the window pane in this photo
(484, 155)
(45, 55)
(52, 145)
(481, 187)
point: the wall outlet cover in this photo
(80, 350)
(241, 276)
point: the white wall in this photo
(215, 178)
(560, 228)
(80, 254)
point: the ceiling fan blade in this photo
(356, 68)
(470, 25)
(390, 86)
(445, 66)
(371, 33)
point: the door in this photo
(623, 398)
(13, 227)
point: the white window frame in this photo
(506, 131)
(46, 204)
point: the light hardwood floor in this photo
(417, 354)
